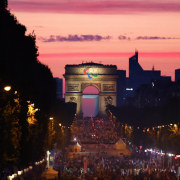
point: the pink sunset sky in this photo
(106, 31)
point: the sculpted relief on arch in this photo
(97, 85)
(73, 99)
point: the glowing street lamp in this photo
(48, 153)
(51, 118)
(9, 177)
(59, 124)
(7, 88)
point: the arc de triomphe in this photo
(103, 77)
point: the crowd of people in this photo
(99, 166)
(94, 131)
(110, 168)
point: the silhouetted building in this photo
(121, 86)
(156, 94)
(177, 74)
(138, 76)
(130, 101)
(59, 91)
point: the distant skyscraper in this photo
(138, 76)
(121, 86)
(177, 74)
(59, 91)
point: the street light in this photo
(59, 124)
(51, 118)
(7, 88)
(48, 153)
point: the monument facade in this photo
(103, 77)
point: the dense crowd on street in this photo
(102, 167)
(95, 131)
(110, 168)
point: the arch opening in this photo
(90, 101)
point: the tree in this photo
(3, 4)
(164, 137)
(33, 81)
(10, 130)
(174, 138)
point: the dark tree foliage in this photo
(149, 116)
(20, 68)
(10, 132)
(140, 119)
(3, 4)
(64, 114)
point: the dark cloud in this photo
(73, 38)
(121, 37)
(153, 37)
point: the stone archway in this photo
(97, 85)
(103, 77)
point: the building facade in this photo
(121, 86)
(103, 77)
(59, 91)
(177, 74)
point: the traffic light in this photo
(175, 157)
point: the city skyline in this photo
(72, 32)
